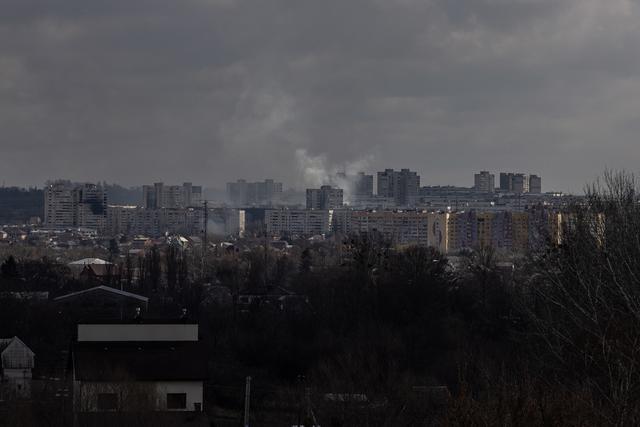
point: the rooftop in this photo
(103, 288)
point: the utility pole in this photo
(205, 230)
(265, 277)
(247, 397)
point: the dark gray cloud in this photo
(135, 91)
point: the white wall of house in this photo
(193, 389)
(138, 332)
(137, 394)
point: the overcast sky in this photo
(136, 91)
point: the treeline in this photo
(554, 341)
(17, 205)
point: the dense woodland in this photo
(17, 205)
(553, 341)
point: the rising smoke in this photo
(317, 171)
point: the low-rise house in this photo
(136, 367)
(17, 362)
(92, 269)
(102, 302)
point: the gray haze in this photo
(135, 91)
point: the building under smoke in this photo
(159, 195)
(325, 197)
(68, 204)
(401, 186)
(242, 193)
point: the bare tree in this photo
(586, 300)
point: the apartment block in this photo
(359, 185)
(297, 222)
(159, 195)
(438, 233)
(68, 204)
(535, 184)
(133, 220)
(325, 197)
(242, 193)
(520, 183)
(484, 182)
(399, 227)
(402, 186)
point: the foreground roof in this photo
(139, 361)
(103, 288)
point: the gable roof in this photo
(15, 354)
(6, 342)
(103, 288)
(97, 270)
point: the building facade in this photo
(17, 361)
(242, 193)
(68, 204)
(399, 227)
(484, 182)
(133, 220)
(402, 186)
(325, 197)
(520, 183)
(159, 195)
(535, 184)
(126, 367)
(297, 222)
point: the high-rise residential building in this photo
(401, 186)
(358, 185)
(243, 193)
(159, 195)
(92, 206)
(535, 184)
(325, 197)
(363, 185)
(520, 183)
(67, 204)
(484, 182)
(60, 204)
(506, 181)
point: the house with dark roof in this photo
(102, 302)
(154, 366)
(92, 270)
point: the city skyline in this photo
(337, 180)
(140, 91)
